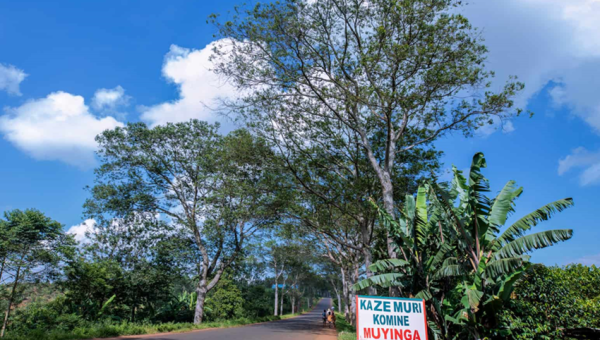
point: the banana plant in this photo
(423, 245)
(178, 307)
(106, 304)
(455, 255)
(490, 261)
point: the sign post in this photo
(388, 318)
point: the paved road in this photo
(308, 326)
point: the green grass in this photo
(109, 329)
(346, 336)
(287, 316)
(345, 330)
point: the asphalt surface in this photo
(307, 326)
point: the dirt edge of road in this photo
(139, 336)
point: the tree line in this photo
(330, 186)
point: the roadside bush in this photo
(110, 328)
(550, 300)
(224, 301)
(257, 301)
(45, 316)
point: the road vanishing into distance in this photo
(307, 326)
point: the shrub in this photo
(550, 300)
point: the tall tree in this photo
(332, 188)
(36, 247)
(216, 189)
(393, 71)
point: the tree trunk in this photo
(201, 290)
(337, 294)
(353, 279)
(388, 203)
(352, 310)
(366, 235)
(10, 301)
(351, 307)
(276, 298)
(2, 268)
(387, 187)
(368, 261)
(293, 303)
(345, 293)
(282, 294)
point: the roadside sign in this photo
(388, 318)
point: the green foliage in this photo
(137, 286)
(550, 300)
(61, 318)
(225, 300)
(108, 328)
(89, 285)
(455, 257)
(257, 301)
(45, 316)
(213, 192)
(353, 96)
(179, 308)
(32, 249)
(345, 330)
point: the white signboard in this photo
(387, 318)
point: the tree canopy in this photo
(216, 190)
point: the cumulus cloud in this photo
(582, 158)
(199, 88)
(79, 231)
(10, 78)
(57, 127)
(544, 41)
(110, 98)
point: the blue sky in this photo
(70, 69)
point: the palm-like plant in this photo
(423, 246)
(455, 255)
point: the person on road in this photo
(324, 316)
(330, 318)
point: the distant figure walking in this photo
(330, 318)
(324, 317)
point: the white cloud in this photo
(542, 41)
(508, 127)
(199, 87)
(558, 95)
(80, 230)
(57, 127)
(110, 99)
(582, 158)
(10, 78)
(589, 260)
